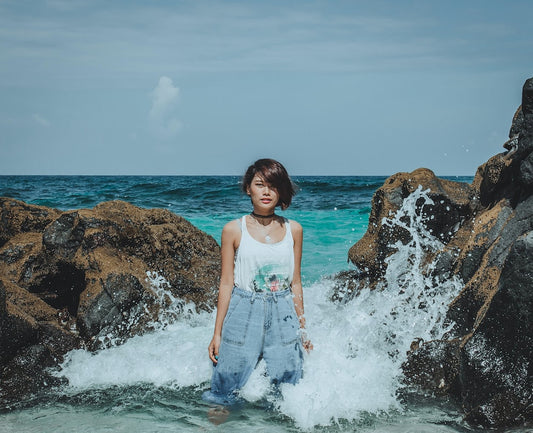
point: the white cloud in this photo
(162, 114)
(40, 120)
(164, 97)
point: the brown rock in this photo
(18, 217)
(434, 365)
(486, 231)
(497, 391)
(454, 202)
(70, 278)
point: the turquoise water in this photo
(352, 379)
(332, 210)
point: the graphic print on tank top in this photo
(270, 278)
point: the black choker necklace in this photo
(263, 216)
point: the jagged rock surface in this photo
(81, 279)
(486, 229)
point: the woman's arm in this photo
(297, 290)
(229, 243)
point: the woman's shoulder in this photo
(231, 234)
(296, 227)
(232, 227)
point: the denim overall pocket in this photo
(237, 320)
(287, 320)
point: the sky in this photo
(207, 87)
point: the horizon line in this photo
(222, 175)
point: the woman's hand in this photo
(306, 343)
(213, 348)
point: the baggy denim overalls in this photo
(257, 325)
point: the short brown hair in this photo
(275, 175)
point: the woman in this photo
(260, 311)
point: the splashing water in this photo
(359, 346)
(160, 357)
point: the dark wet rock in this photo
(2, 302)
(517, 126)
(99, 315)
(347, 284)
(527, 107)
(505, 336)
(28, 372)
(112, 307)
(508, 175)
(434, 365)
(90, 277)
(526, 171)
(486, 230)
(18, 217)
(493, 236)
(496, 179)
(65, 235)
(124, 290)
(453, 203)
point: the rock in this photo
(64, 236)
(494, 179)
(496, 391)
(113, 307)
(434, 365)
(92, 277)
(346, 285)
(486, 235)
(18, 217)
(28, 373)
(527, 106)
(526, 171)
(493, 235)
(19, 327)
(453, 203)
(517, 126)
(2, 303)
(508, 175)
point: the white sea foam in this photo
(176, 354)
(359, 346)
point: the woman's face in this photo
(264, 197)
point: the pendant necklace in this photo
(266, 234)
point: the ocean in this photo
(352, 379)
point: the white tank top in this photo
(264, 267)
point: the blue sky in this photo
(207, 87)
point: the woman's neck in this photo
(259, 215)
(262, 218)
